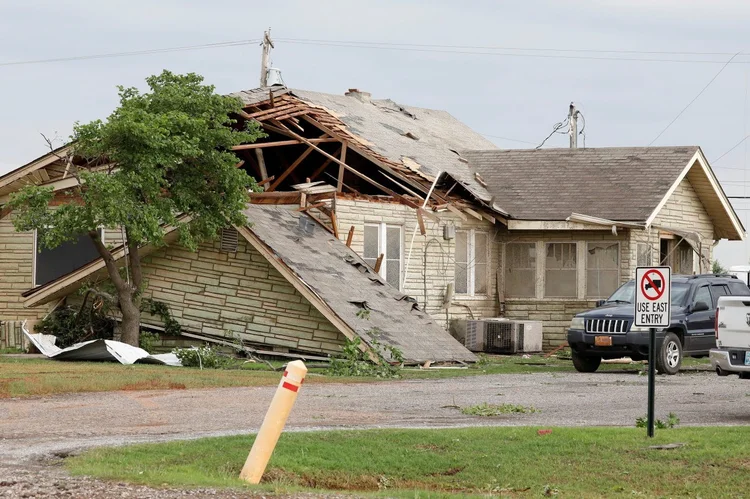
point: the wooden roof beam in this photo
(300, 140)
(292, 167)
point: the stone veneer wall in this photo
(683, 210)
(237, 294)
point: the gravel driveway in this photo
(31, 429)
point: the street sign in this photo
(653, 289)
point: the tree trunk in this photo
(131, 319)
(127, 294)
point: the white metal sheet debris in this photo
(107, 350)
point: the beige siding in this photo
(16, 257)
(431, 266)
(683, 210)
(236, 293)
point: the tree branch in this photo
(109, 261)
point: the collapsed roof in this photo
(358, 296)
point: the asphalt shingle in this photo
(618, 183)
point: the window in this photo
(386, 240)
(718, 290)
(561, 265)
(471, 262)
(644, 255)
(602, 269)
(703, 295)
(520, 270)
(739, 288)
(50, 264)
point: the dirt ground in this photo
(34, 431)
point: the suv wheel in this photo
(669, 356)
(585, 364)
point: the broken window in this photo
(386, 240)
(602, 269)
(561, 270)
(644, 255)
(520, 270)
(50, 264)
(472, 262)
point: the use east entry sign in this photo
(653, 287)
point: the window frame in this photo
(383, 249)
(506, 268)
(586, 294)
(470, 259)
(35, 254)
(577, 269)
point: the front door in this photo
(700, 325)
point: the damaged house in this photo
(399, 221)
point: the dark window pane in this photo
(69, 256)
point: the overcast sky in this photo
(625, 102)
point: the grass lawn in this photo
(33, 377)
(569, 462)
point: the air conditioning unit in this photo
(503, 336)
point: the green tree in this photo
(718, 268)
(162, 159)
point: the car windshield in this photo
(626, 293)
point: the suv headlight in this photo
(577, 323)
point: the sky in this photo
(513, 96)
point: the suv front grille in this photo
(607, 325)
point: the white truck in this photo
(732, 331)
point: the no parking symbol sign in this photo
(653, 287)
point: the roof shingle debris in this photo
(347, 285)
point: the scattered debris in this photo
(543, 432)
(485, 409)
(667, 446)
(107, 350)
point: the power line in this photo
(695, 98)
(132, 53)
(507, 138)
(730, 150)
(554, 53)
(485, 47)
(408, 48)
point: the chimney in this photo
(363, 97)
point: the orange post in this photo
(274, 422)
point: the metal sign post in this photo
(652, 310)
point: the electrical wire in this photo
(485, 47)
(417, 48)
(507, 138)
(533, 52)
(726, 64)
(555, 130)
(730, 150)
(132, 53)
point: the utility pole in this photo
(573, 130)
(264, 61)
